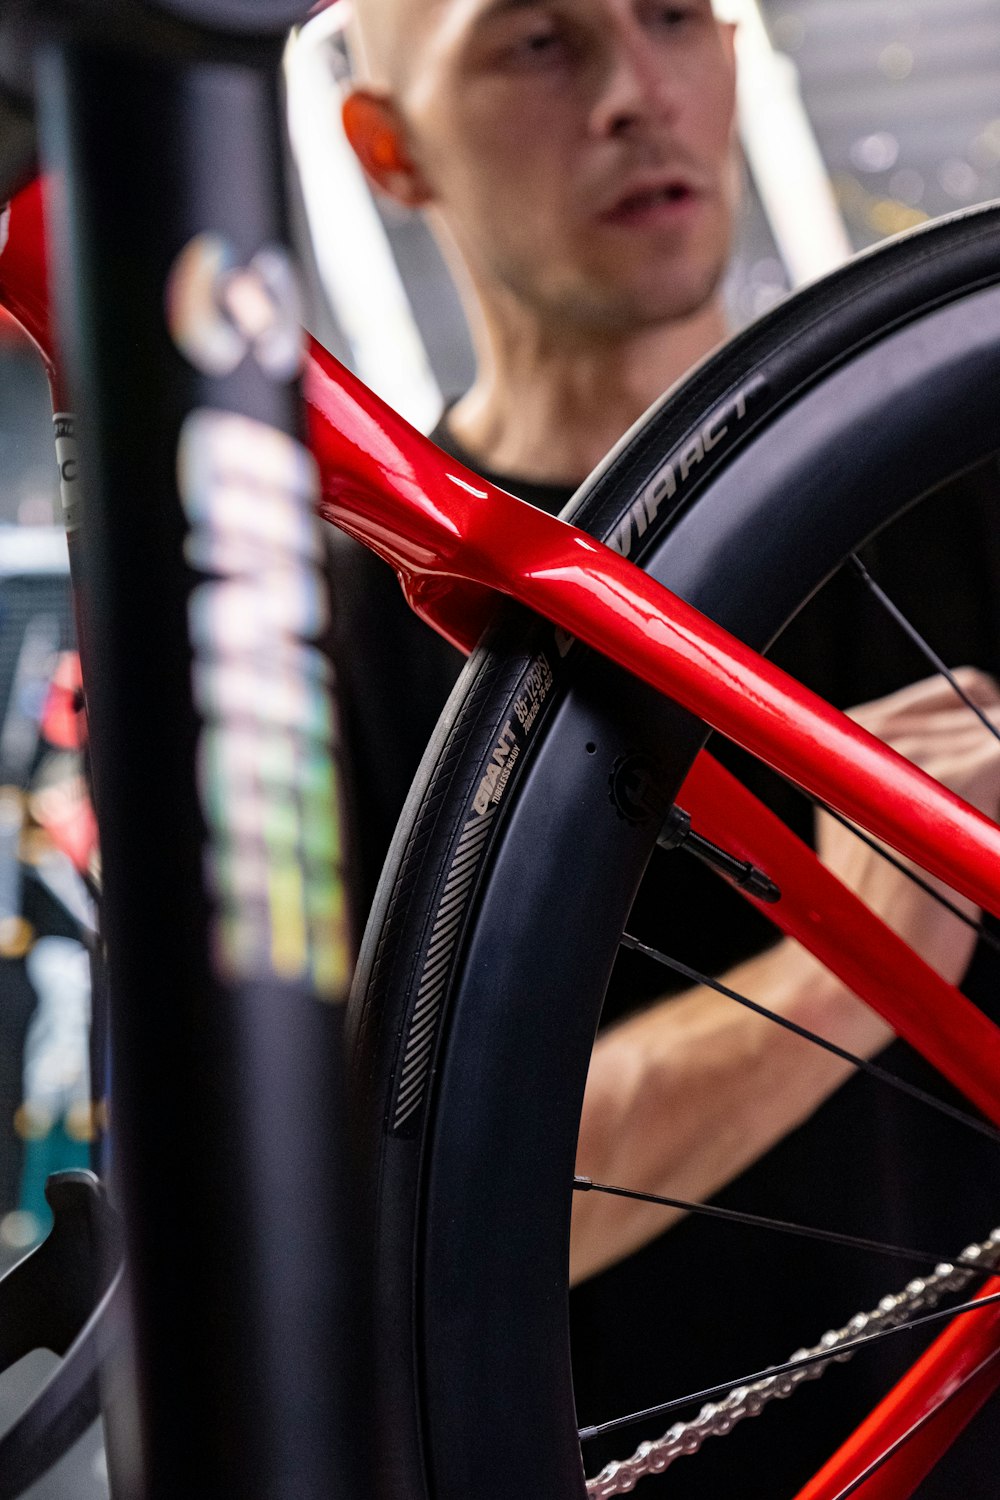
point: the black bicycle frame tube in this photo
(211, 728)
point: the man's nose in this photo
(637, 89)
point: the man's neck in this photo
(548, 408)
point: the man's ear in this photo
(728, 30)
(373, 126)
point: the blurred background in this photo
(859, 119)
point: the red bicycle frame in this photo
(457, 541)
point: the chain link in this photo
(718, 1418)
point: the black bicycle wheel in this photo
(526, 835)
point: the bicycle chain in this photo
(716, 1419)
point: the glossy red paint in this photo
(454, 537)
(957, 1374)
(459, 527)
(24, 289)
(829, 920)
(437, 521)
(457, 542)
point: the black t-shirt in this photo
(708, 1301)
(395, 673)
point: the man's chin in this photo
(650, 304)
(612, 298)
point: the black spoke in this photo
(922, 645)
(780, 1226)
(822, 1357)
(911, 1432)
(978, 927)
(982, 1127)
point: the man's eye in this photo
(674, 15)
(540, 45)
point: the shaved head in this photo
(384, 36)
(577, 153)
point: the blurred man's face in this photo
(580, 151)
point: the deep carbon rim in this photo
(451, 1321)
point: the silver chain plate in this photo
(716, 1419)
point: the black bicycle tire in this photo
(422, 1090)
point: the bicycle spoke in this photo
(779, 1226)
(587, 1434)
(982, 1127)
(979, 928)
(939, 665)
(716, 1419)
(922, 645)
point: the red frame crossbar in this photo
(456, 541)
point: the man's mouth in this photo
(654, 203)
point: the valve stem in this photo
(677, 833)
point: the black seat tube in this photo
(212, 725)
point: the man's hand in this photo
(928, 724)
(686, 1095)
